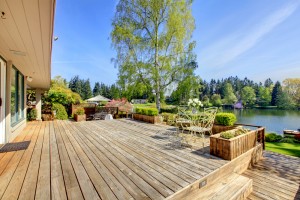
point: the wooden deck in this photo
(275, 177)
(118, 159)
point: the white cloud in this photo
(229, 48)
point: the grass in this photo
(284, 148)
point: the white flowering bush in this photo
(195, 103)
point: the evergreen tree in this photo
(275, 92)
(268, 83)
(97, 89)
(86, 89)
(76, 85)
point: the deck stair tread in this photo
(231, 187)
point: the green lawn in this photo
(284, 148)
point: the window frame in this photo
(19, 117)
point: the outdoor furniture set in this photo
(195, 124)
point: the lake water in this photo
(274, 120)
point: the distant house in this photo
(26, 36)
(98, 98)
(139, 101)
(238, 105)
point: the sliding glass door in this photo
(2, 99)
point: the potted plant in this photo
(232, 143)
(194, 104)
(79, 115)
(224, 122)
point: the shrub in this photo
(32, 114)
(152, 112)
(147, 111)
(144, 111)
(226, 119)
(61, 112)
(233, 133)
(227, 134)
(169, 110)
(273, 137)
(287, 140)
(80, 111)
(138, 110)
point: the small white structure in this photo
(97, 99)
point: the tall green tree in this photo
(248, 96)
(86, 89)
(216, 100)
(292, 87)
(229, 96)
(264, 96)
(186, 89)
(76, 85)
(153, 42)
(277, 89)
(97, 89)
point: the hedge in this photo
(173, 110)
(226, 119)
(61, 112)
(147, 111)
(272, 137)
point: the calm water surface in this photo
(273, 120)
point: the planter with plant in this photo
(224, 122)
(149, 115)
(79, 115)
(232, 143)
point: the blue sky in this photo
(253, 38)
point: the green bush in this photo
(144, 111)
(147, 111)
(61, 112)
(80, 111)
(287, 140)
(273, 137)
(169, 110)
(152, 112)
(226, 119)
(233, 133)
(138, 110)
(227, 134)
(32, 114)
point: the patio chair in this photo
(183, 120)
(203, 124)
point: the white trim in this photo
(2, 95)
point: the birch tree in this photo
(152, 39)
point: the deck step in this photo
(231, 187)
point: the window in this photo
(17, 97)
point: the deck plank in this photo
(113, 183)
(87, 188)
(13, 188)
(30, 181)
(71, 183)
(58, 189)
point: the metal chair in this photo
(204, 124)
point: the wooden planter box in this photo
(79, 118)
(229, 149)
(220, 128)
(146, 118)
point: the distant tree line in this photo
(83, 88)
(233, 89)
(285, 95)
